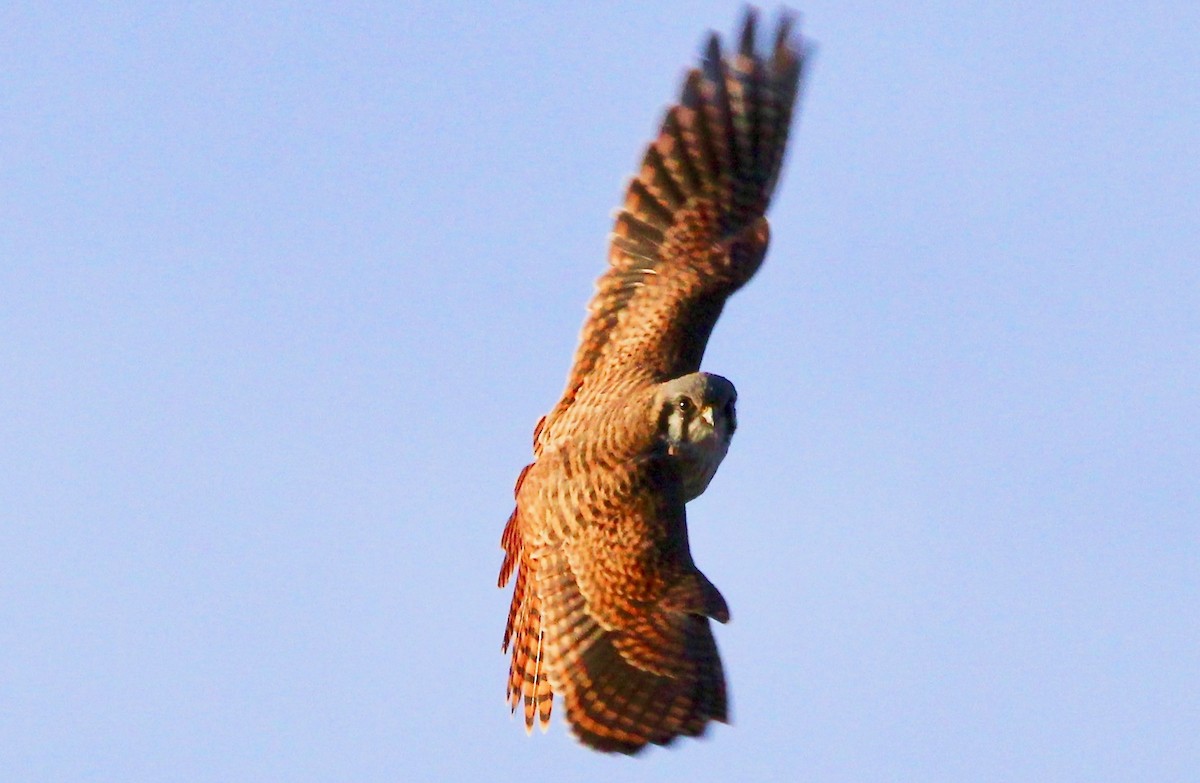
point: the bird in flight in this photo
(608, 609)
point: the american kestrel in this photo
(609, 610)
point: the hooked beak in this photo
(707, 414)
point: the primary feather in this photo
(609, 610)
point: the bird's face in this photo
(697, 418)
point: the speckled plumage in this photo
(608, 609)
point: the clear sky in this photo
(284, 289)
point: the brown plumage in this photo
(608, 609)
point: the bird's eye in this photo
(684, 405)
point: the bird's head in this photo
(696, 420)
(696, 408)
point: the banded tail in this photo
(527, 677)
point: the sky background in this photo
(284, 289)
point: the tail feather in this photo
(706, 178)
(528, 684)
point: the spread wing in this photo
(625, 615)
(691, 230)
(608, 604)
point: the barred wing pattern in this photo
(608, 608)
(691, 230)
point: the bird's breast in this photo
(698, 463)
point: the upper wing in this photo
(625, 615)
(691, 230)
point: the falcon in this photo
(608, 609)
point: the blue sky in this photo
(284, 289)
